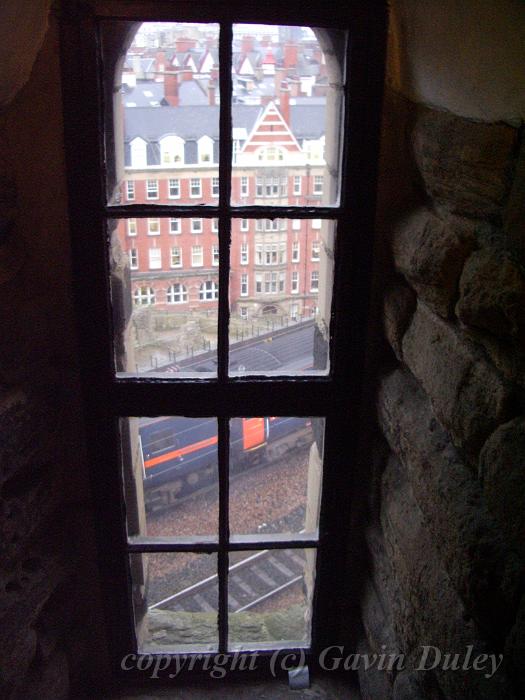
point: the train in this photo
(180, 454)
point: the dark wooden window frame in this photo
(108, 397)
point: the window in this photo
(314, 281)
(244, 186)
(132, 548)
(243, 312)
(176, 257)
(215, 225)
(245, 226)
(195, 187)
(196, 225)
(176, 294)
(144, 296)
(316, 250)
(215, 187)
(215, 255)
(155, 258)
(196, 256)
(244, 285)
(130, 190)
(297, 184)
(295, 283)
(153, 227)
(259, 187)
(175, 226)
(174, 188)
(152, 189)
(133, 259)
(132, 227)
(209, 291)
(244, 254)
(318, 184)
(295, 251)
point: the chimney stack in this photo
(290, 55)
(247, 45)
(284, 101)
(171, 88)
(211, 91)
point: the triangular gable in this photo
(270, 129)
(245, 66)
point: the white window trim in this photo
(156, 195)
(193, 255)
(172, 264)
(199, 195)
(173, 196)
(196, 222)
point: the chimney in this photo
(171, 88)
(290, 55)
(284, 101)
(211, 91)
(187, 74)
(214, 73)
(280, 75)
(247, 44)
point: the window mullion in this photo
(224, 529)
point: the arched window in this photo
(209, 291)
(176, 294)
(144, 296)
(172, 150)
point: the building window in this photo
(296, 250)
(133, 259)
(130, 190)
(244, 186)
(152, 189)
(316, 250)
(296, 224)
(318, 184)
(244, 254)
(244, 285)
(195, 187)
(215, 255)
(196, 256)
(297, 184)
(196, 225)
(295, 283)
(144, 296)
(243, 312)
(209, 291)
(314, 281)
(155, 258)
(284, 186)
(132, 227)
(215, 187)
(176, 257)
(259, 187)
(153, 227)
(174, 188)
(316, 223)
(176, 294)
(245, 225)
(175, 226)
(258, 283)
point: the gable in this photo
(271, 130)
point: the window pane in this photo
(280, 296)
(170, 476)
(270, 598)
(163, 119)
(165, 290)
(175, 599)
(287, 115)
(275, 475)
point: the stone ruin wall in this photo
(445, 517)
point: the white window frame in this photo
(314, 281)
(176, 252)
(215, 255)
(316, 250)
(215, 187)
(245, 225)
(154, 258)
(245, 186)
(176, 293)
(175, 226)
(195, 185)
(131, 227)
(297, 184)
(296, 251)
(133, 256)
(196, 225)
(244, 253)
(154, 227)
(144, 296)
(244, 284)
(173, 188)
(209, 291)
(197, 256)
(152, 189)
(294, 286)
(130, 190)
(318, 185)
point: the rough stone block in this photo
(398, 308)
(430, 253)
(477, 560)
(374, 684)
(467, 393)
(515, 649)
(439, 616)
(51, 680)
(492, 294)
(502, 472)
(466, 166)
(416, 685)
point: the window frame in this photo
(336, 396)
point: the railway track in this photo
(251, 581)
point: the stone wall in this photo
(445, 522)
(49, 598)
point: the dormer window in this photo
(205, 149)
(172, 150)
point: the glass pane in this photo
(163, 113)
(280, 295)
(175, 599)
(270, 598)
(287, 115)
(171, 476)
(165, 291)
(275, 475)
